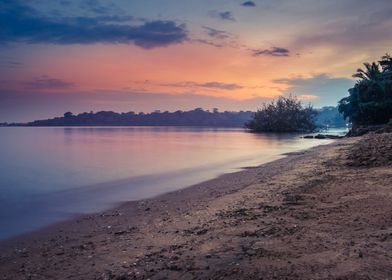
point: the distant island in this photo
(326, 117)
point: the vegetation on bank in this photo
(196, 117)
(285, 114)
(326, 117)
(370, 100)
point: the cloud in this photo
(321, 89)
(248, 4)
(96, 7)
(46, 82)
(207, 42)
(219, 39)
(9, 63)
(218, 85)
(207, 85)
(23, 24)
(223, 15)
(275, 51)
(227, 16)
(215, 33)
(349, 33)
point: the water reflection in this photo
(48, 174)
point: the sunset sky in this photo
(128, 55)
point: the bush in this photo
(286, 114)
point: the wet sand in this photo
(324, 213)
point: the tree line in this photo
(196, 117)
(326, 116)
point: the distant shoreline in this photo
(169, 126)
(327, 116)
(100, 125)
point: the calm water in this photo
(50, 174)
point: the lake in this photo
(49, 174)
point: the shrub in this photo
(286, 114)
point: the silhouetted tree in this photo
(286, 114)
(370, 100)
(386, 63)
(371, 73)
(68, 114)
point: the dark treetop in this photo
(370, 100)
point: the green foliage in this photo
(286, 114)
(370, 100)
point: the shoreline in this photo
(260, 221)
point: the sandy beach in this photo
(324, 213)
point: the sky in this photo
(133, 55)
